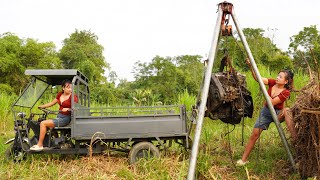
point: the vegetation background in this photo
(163, 80)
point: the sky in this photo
(138, 30)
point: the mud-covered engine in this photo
(228, 98)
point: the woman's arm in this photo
(275, 100)
(48, 104)
(265, 80)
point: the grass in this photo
(217, 152)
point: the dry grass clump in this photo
(117, 167)
(96, 167)
(306, 115)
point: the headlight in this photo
(21, 115)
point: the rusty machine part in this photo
(228, 99)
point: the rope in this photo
(229, 144)
(242, 130)
(239, 46)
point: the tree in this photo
(11, 70)
(262, 49)
(39, 55)
(300, 45)
(279, 62)
(17, 54)
(82, 51)
(190, 73)
(104, 94)
(169, 76)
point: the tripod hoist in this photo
(222, 28)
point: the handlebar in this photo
(47, 111)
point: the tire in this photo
(143, 150)
(16, 154)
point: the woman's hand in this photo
(65, 109)
(48, 104)
(248, 62)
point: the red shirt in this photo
(66, 103)
(284, 95)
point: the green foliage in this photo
(309, 37)
(104, 94)
(6, 117)
(11, 69)
(81, 51)
(300, 45)
(17, 54)
(169, 76)
(279, 62)
(262, 49)
(5, 88)
(187, 99)
(36, 55)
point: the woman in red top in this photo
(63, 98)
(279, 92)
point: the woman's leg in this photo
(43, 130)
(286, 115)
(252, 140)
(290, 123)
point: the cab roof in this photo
(55, 76)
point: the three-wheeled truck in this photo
(140, 131)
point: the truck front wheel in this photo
(143, 150)
(15, 153)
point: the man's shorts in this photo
(61, 120)
(265, 118)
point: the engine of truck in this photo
(228, 99)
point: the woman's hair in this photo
(289, 77)
(65, 83)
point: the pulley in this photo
(226, 30)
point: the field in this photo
(219, 150)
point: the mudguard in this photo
(12, 139)
(9, 141)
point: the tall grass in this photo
(187, 99)
(6, 118)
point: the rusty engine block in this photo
(228, 98)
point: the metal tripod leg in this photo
(204, 96)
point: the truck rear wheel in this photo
(143, 150)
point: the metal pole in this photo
(204, 96)
(262, 86)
